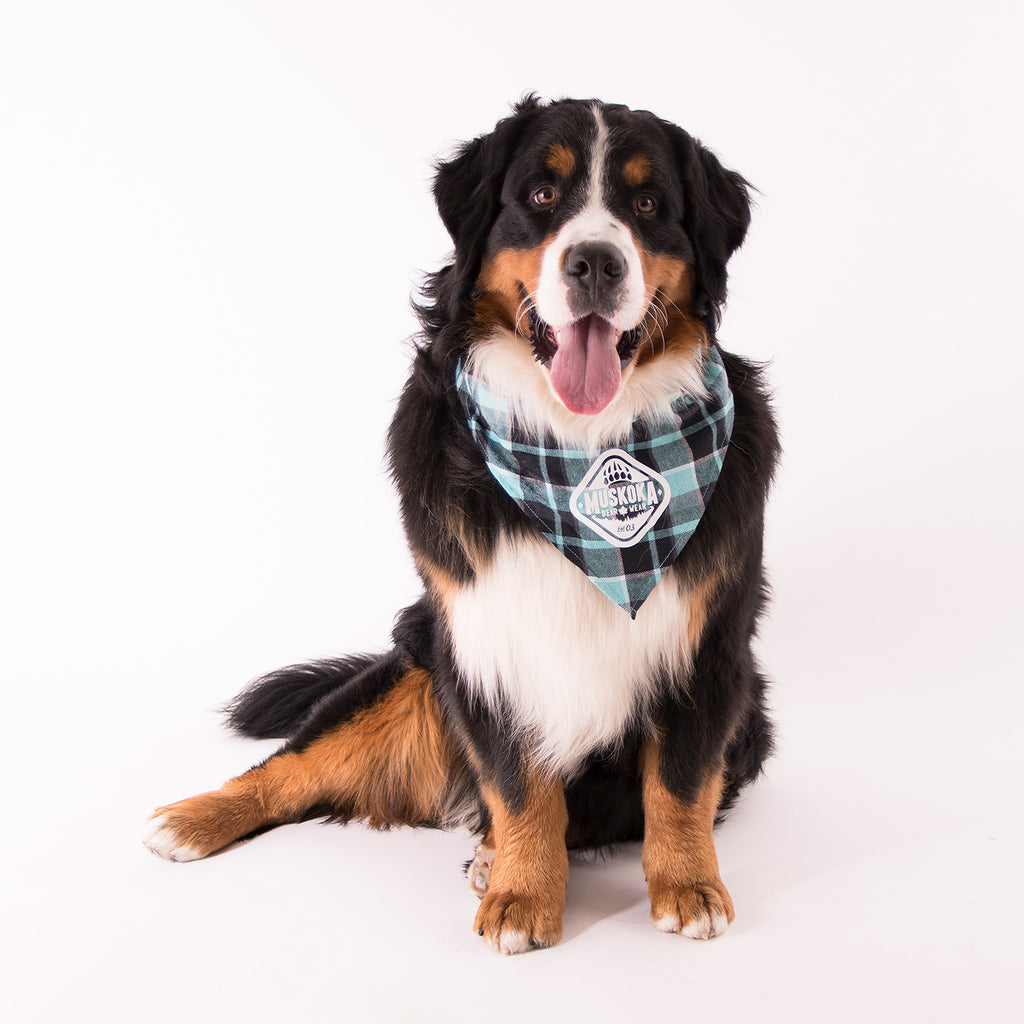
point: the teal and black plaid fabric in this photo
(606, 511)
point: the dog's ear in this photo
(716, 215)
(467, 189)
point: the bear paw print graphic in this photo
(616, 472)
(617, 475)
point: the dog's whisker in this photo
(522, 312)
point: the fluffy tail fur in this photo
(275, 705)
(299, 701)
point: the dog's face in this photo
(597, 234)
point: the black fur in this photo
(449, 499)
(278, 703)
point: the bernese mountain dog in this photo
(583, 474)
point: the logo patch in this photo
(619, 498)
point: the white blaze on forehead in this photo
(594, 223)
(595, 189)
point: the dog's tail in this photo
(320, 693)
(276, 704)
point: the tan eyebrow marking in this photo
(560, 159)
(637, 170)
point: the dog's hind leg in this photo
(389, 763)
(478, 871)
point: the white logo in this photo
(619, 498)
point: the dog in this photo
(583, 474)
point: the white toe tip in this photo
(510, 942)
(161, 840)
(706, 927)
(668, 923)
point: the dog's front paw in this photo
(701, 910)
(513, 922)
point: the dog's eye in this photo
(645, 204)
(544, 197)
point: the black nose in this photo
(592, 262)
(594, 271)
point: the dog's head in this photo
(595, 235)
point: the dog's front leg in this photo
(679, 860)
(522, 908)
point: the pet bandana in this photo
(622, 515)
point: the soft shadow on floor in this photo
(608, 883)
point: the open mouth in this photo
(585, 358)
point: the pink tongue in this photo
(586, 370)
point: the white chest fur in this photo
(573, 666)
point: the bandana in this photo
(622, 515)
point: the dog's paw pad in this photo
(479, 871)
(161, 838)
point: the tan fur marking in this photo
(211, 821)
(637, 170)
(443, 587)
(453, 524)
(699, 599)
(668, 275)
(494, 309)
(526, 896)
(560, 160)
(669, 286)
(679, 857)
(501, 301)
(389, 764)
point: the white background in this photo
(212, 216)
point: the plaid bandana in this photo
(622, 515)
